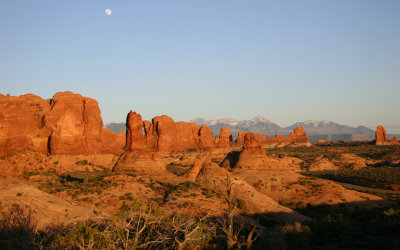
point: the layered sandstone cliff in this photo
(66, 124)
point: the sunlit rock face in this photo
(66, 124)
(381, 137)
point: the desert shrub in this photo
(84, 162)
(27, 174)
(17, 228)
(178, 169)
(82, 235)
(168, 188)
(76, 183)
(381, 177)
(137, 225)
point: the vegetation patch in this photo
(178, 169)
(374, 177)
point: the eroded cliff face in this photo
(66, 124)
(162, 134)
(381, 137)
(240, 137)
(224, 138)
(22, 123)
(146, 141)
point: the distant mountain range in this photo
(316, 130)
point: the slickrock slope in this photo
(66, 124)
(298, 136)
(215, 178)
(321, 163)
(381, 137)
(46, 208)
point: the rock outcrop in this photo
(381, 137)
(240, 137)
(162, 134)
(253, 155)
(215, 178)
(142, 162)
(298, 136)
(321, 163)
(22, 123)
(146, 141)
(224, 138)
(206, 138)
(66, 124)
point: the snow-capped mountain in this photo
(315, 129)
(255, 125)
(324, 127)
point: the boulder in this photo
(192, 173)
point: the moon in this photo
(108, 12)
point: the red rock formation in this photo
(131, 162)
(224, 138)
(75, 123)
(66, 124)
(112, 142)
(240, 137)
(252, 156)
(206, 138)
(381, 137)
(168, 135)
(162, 134)
(145, 140)
(299, 135)
(135, 139)
(22, 123)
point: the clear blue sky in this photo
(286, 60)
